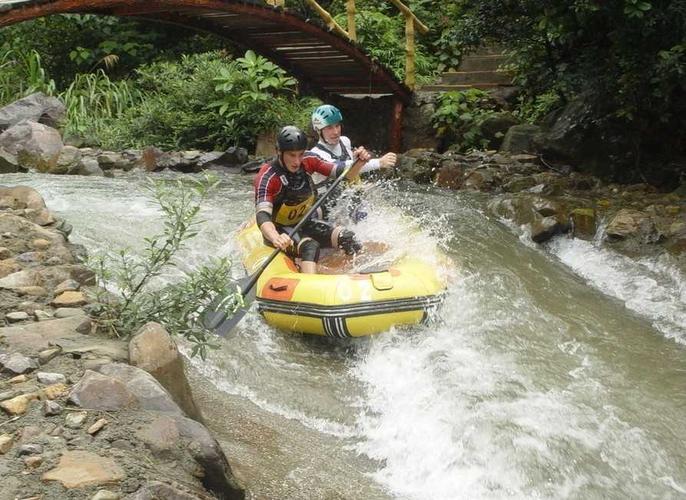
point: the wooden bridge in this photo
(322, 56)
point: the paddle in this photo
(215, 316)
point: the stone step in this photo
(471, 77)
(439, 87)
(482, 63)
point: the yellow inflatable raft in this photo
(339, 305)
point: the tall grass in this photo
(21, 74)
(94, 101)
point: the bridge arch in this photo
(324, 62)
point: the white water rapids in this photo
(555, 372)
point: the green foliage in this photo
(208, 101)
(382, 34)
(21, 74)
(176, 306)
(458, 118)
(94, 103)
(72, 44)
(625, 58)
(254, 95)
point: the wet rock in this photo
(583, 222)
(520, 139)
(153, 350)
(79, 469)
(35, 145)
(88, 166)
(36, 107)
(544, 229)
(217, 474)
(68, 161)
(627, 223)
(450, 175)
(9, 163)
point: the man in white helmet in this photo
(336, 148)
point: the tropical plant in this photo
(127, 297)
(253, 94)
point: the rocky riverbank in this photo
(636, 219)
(87, 416)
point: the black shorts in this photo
(319, 230)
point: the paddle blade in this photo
(224, 312)
(228, 324)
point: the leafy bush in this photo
(458, 118)
(137, 301)
(207, 101)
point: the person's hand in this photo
(361, 154)
(388, 160)
(282, 241)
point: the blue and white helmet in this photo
(325, 115)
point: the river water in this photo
(555, 372)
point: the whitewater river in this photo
(556, 372)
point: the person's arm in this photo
(361, 157)
(280, 240)
(267, 186)
(386, 161)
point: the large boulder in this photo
(35, 145)
(8, 163)
(153, 350)
(520, 139)
(494, 128)
(37, 107)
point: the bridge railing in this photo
(412, 24)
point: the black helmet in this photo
(291, 138)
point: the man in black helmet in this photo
(284, 192)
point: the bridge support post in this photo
(395, 132)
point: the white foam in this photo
(652, 287)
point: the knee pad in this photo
(308, 249)
(348, 242)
